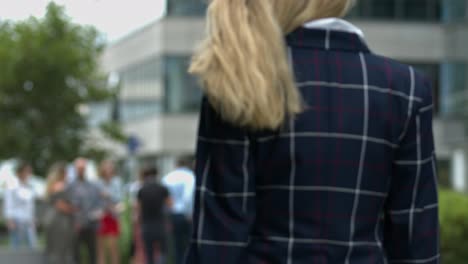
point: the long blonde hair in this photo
(243, 63)
(56, 173)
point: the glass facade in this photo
(454, 93)
(449, 81)
(454, 10)
(417, 10)
(138, 108)
(182, 92)
(158, 85)
(141, 91)
(432, 71)
(186, 7)
(411, 10)
(99, 113)
(142, 79)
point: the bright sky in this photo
(114, 18)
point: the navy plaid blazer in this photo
(350, 180)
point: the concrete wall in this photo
(169, 134)
(182, 35)
(456, 42)
(423, 42)
(179, 133)
(166, 36)
(138, 46)
(448, 135)
(165, 134)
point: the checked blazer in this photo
(351, 180)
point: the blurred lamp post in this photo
(113, 84)
(83, 109)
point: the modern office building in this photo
(159, 100)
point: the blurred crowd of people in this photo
(81, 217)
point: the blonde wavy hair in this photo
(56, 173)
(243, 62)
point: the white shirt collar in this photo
(336, 24)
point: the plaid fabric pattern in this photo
(350, 180)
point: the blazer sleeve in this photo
(225, 192)
(411, 217)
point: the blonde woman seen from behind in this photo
(59, 226)
(311, 148)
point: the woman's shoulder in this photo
(404, 80)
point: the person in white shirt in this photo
(19, 210)
(181, 184)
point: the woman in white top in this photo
(19, 210)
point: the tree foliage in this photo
(48, 69)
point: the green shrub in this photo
(454, 227)
(126, 233)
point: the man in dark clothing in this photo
(181, 186)
(153, 203)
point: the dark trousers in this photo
(154, 233)
(87, 238)
(181, 233)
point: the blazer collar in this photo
(335, 24)
(329, 34)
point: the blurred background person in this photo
(153, 204)
(134, 186)
(19, 209)
(109, 227)
(87, 198)
(59, 218)
(180, 184)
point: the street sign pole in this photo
(133, 145)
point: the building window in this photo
(432, 71)
(141, 91)
(454, 10)
(137, 109)
(142, 80)
(182, 92)
(186, 7)
(99, 113)
(450, 83)
(418, 10)
(384, 9)
(454, 89)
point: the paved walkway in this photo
(21, 257)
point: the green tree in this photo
(48, 69)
